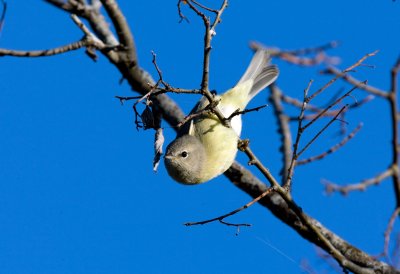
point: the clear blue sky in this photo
(77, 190)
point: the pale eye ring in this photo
(184, 154)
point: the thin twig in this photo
(240, 112)
(243, 146)
(3, 15)
(156, 90)
(388, 232)
(297, 57)
(206, 110)
(319, 115)
(93, 42)
(204, 7)
(288, 181)
(361, 186)
(89, 40)
(122, 99)
(283, 129)
(94, 16)
(44, 53)
(395, 129)
(317, 110)
(297, 103)
(235, 225)
(166, 87)
(321, 131)
(159, 72)
(181, 16)
(353, 81)
(222, 217)
(396, 252)
(209, 33)
(344, 72)
(217, 18)
(332, 149)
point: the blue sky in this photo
(77, 191)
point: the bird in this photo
(204, 147)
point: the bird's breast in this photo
(220, 143)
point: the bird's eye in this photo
(184, 154)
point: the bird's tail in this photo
(260, 71)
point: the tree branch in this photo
(395, 129)
(297, 57)
(247, 182)
(361, 186)
(43, 53)
(388, 232)
(283, 130)
(332, 149)
(122, 28)
(222, 217)
(353, 81)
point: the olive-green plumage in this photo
(206, 148)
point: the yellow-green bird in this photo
(204, 147)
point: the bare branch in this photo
(240, 112)
(344, 72)
(388, 232)
(351, 80)
(209, 33)
(122, 28)
(89, 41)
(316, 109)
(323, 112)
(44, 53)
(217, 18)
(344, 262)
(243, 146)
(206, 110)
(299, 104)
(181, 16)
(238, 226)
(328, 46)
(362, 186)
(322, 130)
(247, 182)
(205, 7)
(332, 149)
(297, 57)
(288, 180)
(301, 129)
(395, 129)
(283, 129)
(155, 90)
(92, 13)
(222, 217)
(122, 99)
(3, 15)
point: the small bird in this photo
(205, 148)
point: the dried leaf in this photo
(158, 148)
(147, 118)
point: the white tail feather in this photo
(260, 72)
